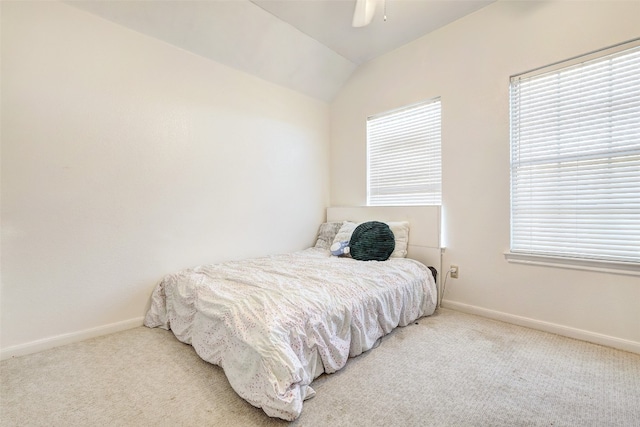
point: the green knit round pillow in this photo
(372, 241)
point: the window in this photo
(575, 159)
(403, 156)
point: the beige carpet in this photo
(451, 369)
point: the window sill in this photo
(613, 267)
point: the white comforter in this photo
(276, 323)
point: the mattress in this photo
(276, 323)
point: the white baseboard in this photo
(554, 328)
(56, 341)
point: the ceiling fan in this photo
(363, 13)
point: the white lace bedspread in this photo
(276, 323)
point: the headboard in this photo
(424, 227)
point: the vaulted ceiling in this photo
(305, 45)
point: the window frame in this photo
(550, 259)
(433, 167)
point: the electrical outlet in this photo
(454, 271)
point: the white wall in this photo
(468, 64)
(124, 158)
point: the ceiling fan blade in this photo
(363, 13)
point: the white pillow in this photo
(400, 232)
(345, 232)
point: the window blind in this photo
(404, 156)
(575, 159)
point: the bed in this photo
(276, 323)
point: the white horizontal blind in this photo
(404, 156)
(575, 160)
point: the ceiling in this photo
(305, 45)
(329, 22)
